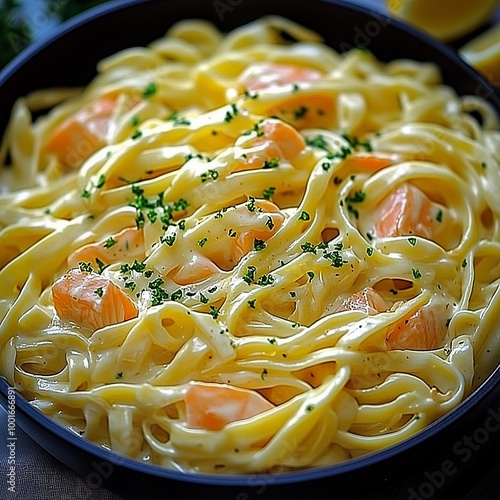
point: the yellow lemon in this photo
(444, 19)
(483, 53)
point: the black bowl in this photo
(69, 57)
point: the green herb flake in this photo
(202, 242)
(416, 273)
(304, 216)
(100, 181)
(412, 241)
(99, 292)
(150, 90)
(358, 197)
(308, 247)
(249, 277)
(273, 163)
(209, 175)
(265, 279)
(109, 242)
(251, 204)
(251, 303)
(258, 244)
(168, 240)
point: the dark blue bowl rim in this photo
(483, 394)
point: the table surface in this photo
(40, 476)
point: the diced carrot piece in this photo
(211, 406)
(407, 211)
(266, 75)
(366, 300)
(423, 330)
(127, 245)
(80, 135)
(91, 300)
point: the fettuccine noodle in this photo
(246, 252)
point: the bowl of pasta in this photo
(248, 246)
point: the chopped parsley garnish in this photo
(231, 233)
(169, 240)
(136, 134)
(251, 303)
(358, 197)
(355, 143)
(439, 216)
(178, 120)
(202, 241)
(209, 175)
(99, 292)
(203, 299)
(259, 244)
(464, 263)
(416, 273)
(109, 242)
(272, 341)
(251, 95)
(131, 285)
(270, 223)
(251, 204)
(214, 311)
(311, 275)
(101, 181)
(308, 247)
(268, 193)
(263, 375)
(272, 163)
(300, 112)
(150, 90)
(154, 208)
(369, 251)
(265, 279)
(177, 295)
(412, 241)
(304, 216)
(119, 375)
(135, 121)
(231, 114)
(249, 277)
